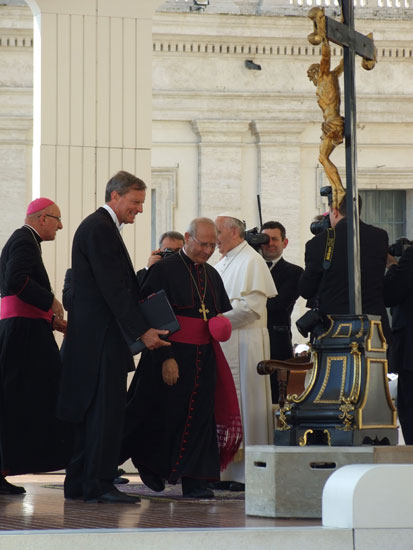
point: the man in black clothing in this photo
(398, 293)
(286, 276)
(31, 438)
(330, 285)
(169, 242)
(96, 360)
(172, 427)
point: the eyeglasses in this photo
(55, 217)
(205, 245)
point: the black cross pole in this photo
(353, 43)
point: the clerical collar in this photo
(113, 216)
(184, 251)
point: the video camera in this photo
(397, 249)
(255, 238)
(167, 252)
(323, 223)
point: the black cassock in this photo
(171, 430)
(31, 438)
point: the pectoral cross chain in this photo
(204, 311)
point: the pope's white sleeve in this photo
(247, 309)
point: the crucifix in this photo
(353, 42)
(204, 311)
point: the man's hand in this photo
(154, 257)
(170, 372)
(57, 309)
(391, 260)
(60, 325)
(151, 338)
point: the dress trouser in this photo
(405, 404)
(94, 462)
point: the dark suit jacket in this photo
(104, 297)
(398, 293)
(331, 285)
(286, 276)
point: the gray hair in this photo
(238, 224)
(123, 182)
(193, 226)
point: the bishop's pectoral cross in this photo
(204, 311)
(343, 34)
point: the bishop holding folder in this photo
(183, 420)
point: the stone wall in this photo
(223, 133)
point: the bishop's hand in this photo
(170, 372)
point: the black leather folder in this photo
(159, 314)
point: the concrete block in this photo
(288, 481)
(369, 496)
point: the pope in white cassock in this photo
(249, 284)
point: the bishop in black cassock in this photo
(171, 428)
(31, 438)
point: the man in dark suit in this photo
(97, 358)
(279, 309)
(398, 293)
(330, 285)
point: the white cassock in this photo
(249, 284)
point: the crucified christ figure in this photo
(328, 98)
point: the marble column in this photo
(279, 175)
(223, 168)
(92, 110)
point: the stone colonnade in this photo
(92, 108)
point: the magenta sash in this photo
(13, 306)
(227, 413)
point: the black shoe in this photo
(69, 496)
(120, 480)
(154, 482)
(199, 493)
(7, 488)
(220, 485)
(115, 496)
(236, 486)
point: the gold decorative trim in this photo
(370, 337)
(294, 398)
(303, 439)
(356, 386)
(343, 326)
(343, 359)
(360, 332)
(282, 419)
(346, 408)
(327, 432)
(329, 328)
(359, 411)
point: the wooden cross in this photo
(353, 42)
(204, 311)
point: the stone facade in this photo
(222, 132)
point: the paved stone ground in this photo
(43, 507)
